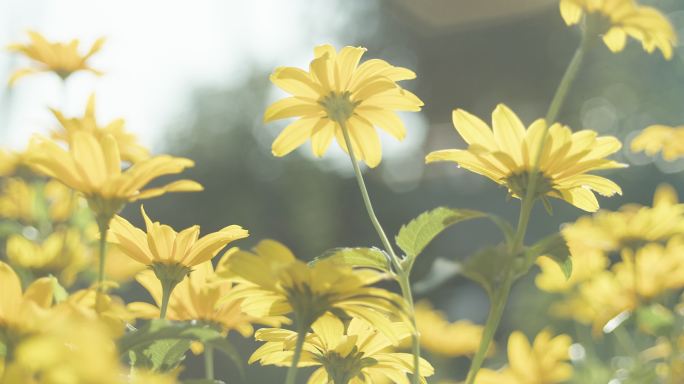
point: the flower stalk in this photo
(169, 275)
(499, 298)
(401, 274)
(291, 377)
(209, 362)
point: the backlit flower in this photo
(22, 311)
(660, 138)
(93, 167)
(274, 283)
(19, 201)
(506, 154)
(353, 354)
(129, 147)
(196, 298)
(543, 362)
(622, 18)
(337, 90)
(438, 336)
(61, 58)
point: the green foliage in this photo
(159, 329)
(488, 267)
(161, 355)
(555, 247)
(357, 257)
(655, 319)
(226, 347)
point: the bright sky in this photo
(157, 51)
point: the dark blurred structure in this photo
(467, 54)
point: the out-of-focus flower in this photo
(92, 166)
(73, 350)
(660, 138)
(585, 265)
(199, 297)
(338, 91)
(632, 226)
(120, 268)
(12, 161)
(61, 58)
(622, 18)
(438, 336)
(358, 354)
(274, 283)
(129, 147)
(62, 254)
(19, 200)
(507, 154)
(90, 304)
(22, 312)
(543, 362)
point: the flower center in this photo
(519, 182)
(339, 106)
(307, 305)
(341, 369)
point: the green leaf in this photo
(159, 329)
(227, 348)
(165, 355)
(555, 247)
(59, 293)
(357, 257)
(419, 232)
(655, 319)
(488, 267)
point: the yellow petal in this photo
(615, 39)
(473, 129)
(293, 136)
(508, 131)
(291, 107)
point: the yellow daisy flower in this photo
(355, 354)
(92, 166)
(632, 226)
(129, 147)
(660, 138)
(440, 337)
(61, 58)
(170, 254)
(62, 254)
(506, 155)
(337, 92)
(622, 18)
(22, 312)
(196, 298)
(274, 283)
(543, 362)
(657, 268)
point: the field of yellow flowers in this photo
(348, 316)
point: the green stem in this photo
(405, 285)
(103, 226)
(167, 289)
(402, 276)
(498, 304)
(209, 362)
(291, 377)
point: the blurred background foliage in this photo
(467, 54)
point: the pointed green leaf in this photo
(158, 329)
(165, 355)
(555, 247)
(357, 257)
(488, 267)
(419, 232)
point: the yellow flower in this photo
(544, 362)
(632, 226)
(129, 147)
(13, 161)
(274, 283)
(196, 298)
(622, 18)
(660, 138)
(357, 353)
(90, 304)
(338, 91)
(19, 201)
(74, 351)
(22, 312)
(507, 153)
(93, 167)
(163, 245)
(585, 265)
(62, 253)
(61, 58)
(440, 337)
